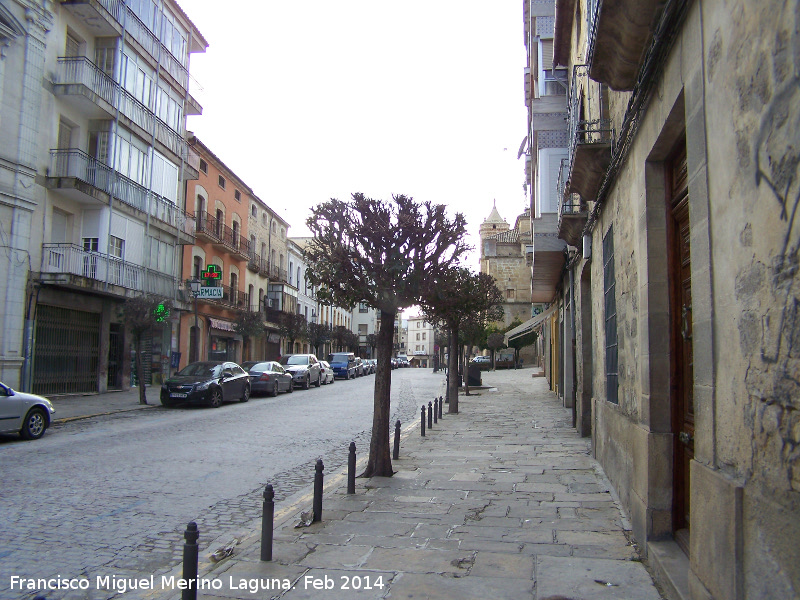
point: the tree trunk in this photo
(380, 459)
(452, 366)
(140, 371)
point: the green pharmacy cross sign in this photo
(211, 275)
(161, 313)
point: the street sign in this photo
(210, 292)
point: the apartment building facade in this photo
(682, 181)
(97, 140)
(421, 342)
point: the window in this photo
(237, 195)
(220, 223)
(609, 288)
(274, 227)
(264, 219)
(204, 166)
(90, 244)
(221, 182)
(298, 278)
(423, 335)
(417, 337)
(197, 267)
(509, 294)
(362, 307)
(291, 272)
(116, 246)
(283, 233)
(253, 211)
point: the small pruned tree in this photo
(319, 334)
(249, 324)
(372, 342)
(495, 342)
(454, 297)
(293, 327)
(340, 338)
(141, 314)
(380, 253)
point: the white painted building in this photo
(94, 97)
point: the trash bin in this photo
(474, 375)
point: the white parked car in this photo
(327, 372)
(26, 414)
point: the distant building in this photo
(420, 342)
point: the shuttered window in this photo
(609, 289)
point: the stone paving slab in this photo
(502, 500)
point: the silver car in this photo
(26, 414)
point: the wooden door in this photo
(681, 355)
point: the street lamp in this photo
(195, 286)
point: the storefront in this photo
(224, 343)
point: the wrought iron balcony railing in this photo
(75, 260)
(586, 124)
(82, 71)
(220, 233)
(76, 163)
(124, 15)
(568, 203)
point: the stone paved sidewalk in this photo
(500, 501)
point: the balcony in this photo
(209, 229)
(618, 38)
(84, 178)
(254, 262)
(590, 136)
(548, 258)
(72, 266)
(106, 16)
(92, 91)
(572, 209)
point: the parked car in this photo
(28, 415)
(305, 369)
(484, 363)
(268, 377)
(402, 361)
(210, 382)
(327, 372)
(394, 363)
(360, 367)
(372, 365)
(344, 364)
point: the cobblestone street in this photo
(114, 493)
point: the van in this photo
(343, 364)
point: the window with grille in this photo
(609, 288)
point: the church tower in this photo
(493, 224)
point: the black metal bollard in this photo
(435, 409)
(318, 491)
(422, 421)
(396, 453)
(440, 407)
(351, 469)
(430, 415)
(190, 552)
(267, 523)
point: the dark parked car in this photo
(208, 382)
(268, 377)
(26, 414)
(343, 364)
(305, 369)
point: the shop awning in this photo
(529, 324)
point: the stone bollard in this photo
(267, 523)
(351, 469)
(435, 409)
(318, 491)
(440, 407)
(396, 453)
(190, 553)
(430, 415)
(422, 421)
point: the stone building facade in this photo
(503, 257)
(683, 166)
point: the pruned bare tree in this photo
(380, 253)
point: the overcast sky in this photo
(312, 100)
